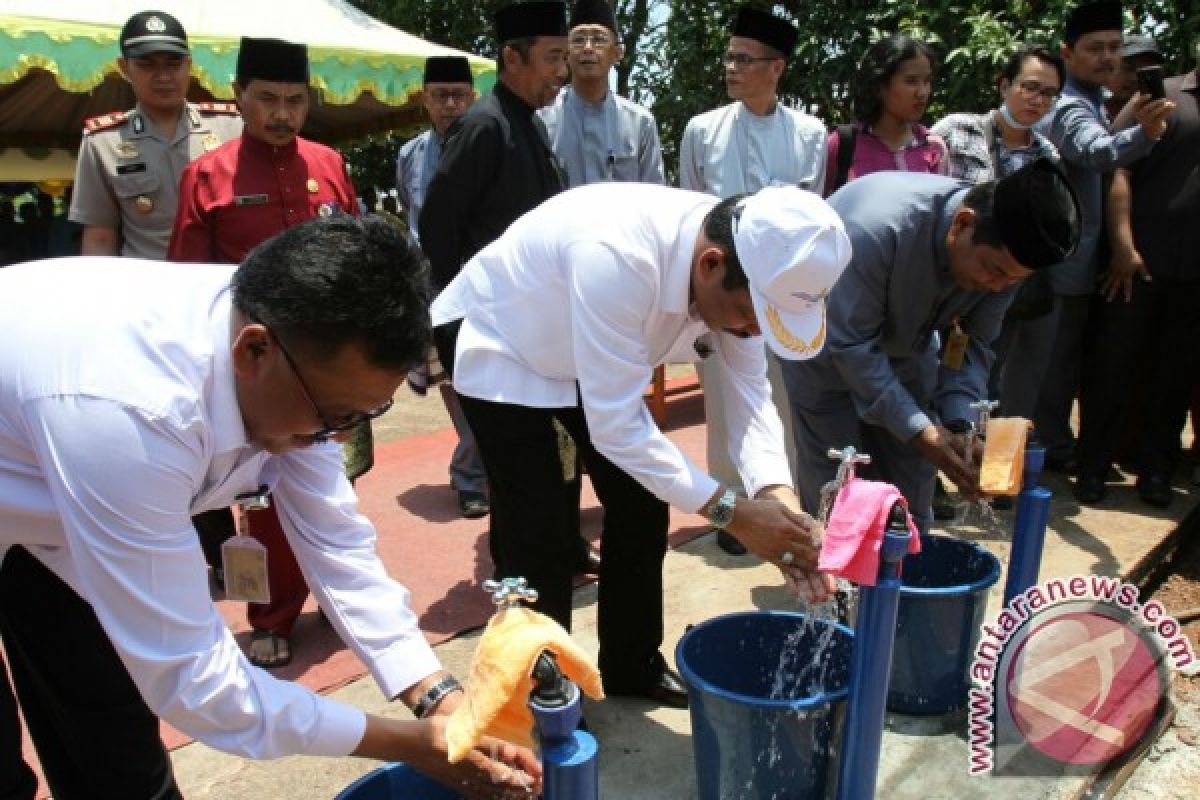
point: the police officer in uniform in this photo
(127, 177)
(237, 197)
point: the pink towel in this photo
(855, 530)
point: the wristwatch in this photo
(434, 695)
(720, 514)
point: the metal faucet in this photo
(849, 459)
(509, 593)
(983, 415)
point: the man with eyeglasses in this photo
(496, 165)
(753, 142)
(447, 92)
(1079, 127)
(597, 134)
(153, 393)
(233, 199)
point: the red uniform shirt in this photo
(246, 191)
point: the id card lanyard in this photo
(244, 557)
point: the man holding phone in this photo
(1089, 147)
(1149, 308)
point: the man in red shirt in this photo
(253, 187)
(231, 200)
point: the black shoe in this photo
(473, 505)
(1155, 490)
(729, 543)
(666, 690)
(589, 564)
(1089, 489)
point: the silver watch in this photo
(721, 512)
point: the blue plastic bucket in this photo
(396, 781)
(943, 598)
(762, 708)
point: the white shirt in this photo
(118, 422)
(730, 150)
(593, 287)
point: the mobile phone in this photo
(1150, 82)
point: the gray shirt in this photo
(1078, 126)
(613, 140)
(887, 311)
(415, 166)
(127, 176)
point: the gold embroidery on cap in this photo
(789, 340)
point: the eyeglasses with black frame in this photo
(742, 60)
(329, 427)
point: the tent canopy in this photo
(58, 63)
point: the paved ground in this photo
(646, 754)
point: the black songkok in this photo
(593, 12)
(271, 60)
(1037, 214)
(1092, 17)
(448, 69)
(766, 28)
(525, 20)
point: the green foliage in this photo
(674, 48)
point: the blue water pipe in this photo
(569, 766)
(1029, 529)
(874, 637)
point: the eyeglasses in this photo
(581, 40)
(742, 60)
(458, 96)
(328, 427)
(1033, 89)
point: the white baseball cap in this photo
(792, 247)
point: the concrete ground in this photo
(646, 753)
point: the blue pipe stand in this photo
(1029, 529)
(569, 766)
(874, 638)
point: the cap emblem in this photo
(155, 25)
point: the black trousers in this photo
(531, 535)
(1142, 352)
(213, 528)
(95, 737)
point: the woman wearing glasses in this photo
(986, 147)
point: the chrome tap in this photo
(509, 593)
(849, 459)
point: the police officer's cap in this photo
(271, 60)
(593, 12)
(448, 69)
(149, 32)
(525, 20)
(769, 29)
(1037, 214)
(1092, 17)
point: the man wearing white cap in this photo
(623, 282)
(935, 266)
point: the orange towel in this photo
(498, 688)
(1004, 455)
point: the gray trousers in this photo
(466, 466)
(720, 462)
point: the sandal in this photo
(269, 650)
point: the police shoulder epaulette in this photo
(105, 121)
(217, 108)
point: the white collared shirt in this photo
(118, 422)
(593, 287)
